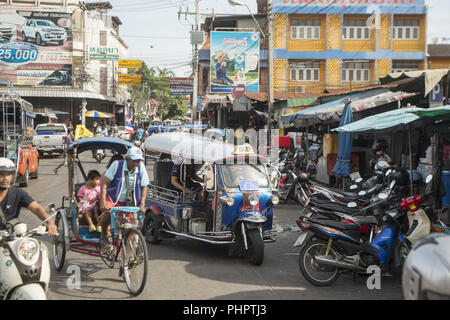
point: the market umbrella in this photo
(97, 114)
(345, 140)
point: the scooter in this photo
(99, 154)
(24, 262)
(330, 248)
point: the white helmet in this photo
(6, 165)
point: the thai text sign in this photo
(131, 64)
(103, 53)
(130, 79)
(181, 86)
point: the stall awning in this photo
(61, 93)
(398, 119)
(332, 111)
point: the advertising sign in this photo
(181, 86)
(36, 46)
(234, 61)
(130, 79)
(130, 64)
(103, 53)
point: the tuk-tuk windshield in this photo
(233, 174)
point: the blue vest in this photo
(114, 189)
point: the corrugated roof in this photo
(61, 93)
(439, 50)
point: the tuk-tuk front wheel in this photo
(256, 246)
(152, 225)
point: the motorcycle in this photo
(24, 262)
(330, 248)
(99, 154)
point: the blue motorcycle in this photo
(330, 248)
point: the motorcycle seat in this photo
(323, 204)
(352, 230)
(369, 220)
(346, 196)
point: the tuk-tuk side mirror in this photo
(210, 179)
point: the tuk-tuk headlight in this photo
(275, 200)
(253, 200)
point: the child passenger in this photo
(88, 196)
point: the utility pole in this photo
(270, 71)
(84, 62)
(195, 89)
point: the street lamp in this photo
(238, 3)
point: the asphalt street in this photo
(187, 269)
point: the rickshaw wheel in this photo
(134, 261)
(257, 247)
(59, 244)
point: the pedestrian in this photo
(69, 125)
(67, 142)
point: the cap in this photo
(135, 153)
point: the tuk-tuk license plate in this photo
(245, 185)
(300, 239)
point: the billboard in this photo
(103, 53)
(234, 62)
(36, 46)
(130, 64)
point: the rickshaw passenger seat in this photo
(78, 187)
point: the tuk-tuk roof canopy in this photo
(192, 147)
(94, 143)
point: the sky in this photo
(154, 33)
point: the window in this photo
(404, 66)
(356, 72)
(305, 72)
(305, 29)
(356, 30)
(406, 29)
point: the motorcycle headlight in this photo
(275, 200)
(28, 249)
(253, 200)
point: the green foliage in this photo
(158, 81)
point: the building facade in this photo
(56, 71)
(324, 45)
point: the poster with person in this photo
(234, 60)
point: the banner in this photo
(36, 46)
(234, 61)
(130, 64)
(181, 86)
(130, 79)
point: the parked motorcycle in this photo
(24, 262)
(330, 248)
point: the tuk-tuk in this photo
(238, 200)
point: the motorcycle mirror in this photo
(362, 193)
(352, 205)
(50, 207)
(353, 187)
(383, 196)
(428, 179)
(388, 172)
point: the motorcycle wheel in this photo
(256, 247)
(59, 244)
(26, 177)
(299, 196)
(318, 275)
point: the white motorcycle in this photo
(24, 262)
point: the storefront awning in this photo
(43, 92)
(333, 110)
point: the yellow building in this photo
(324, 45)
(438, 56)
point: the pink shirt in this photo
(89, 195)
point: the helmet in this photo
(425, 271)
(6, 165)
(379, 145)
(381, 166)
(401, 177)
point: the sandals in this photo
(92, 228)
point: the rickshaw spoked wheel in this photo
(59, 243)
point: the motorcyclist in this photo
(379, 148)
(13, 199)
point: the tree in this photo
(158, 81)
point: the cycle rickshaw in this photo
(128, 244)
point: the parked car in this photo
(43, 31)
(50, 138)
(6, 33)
